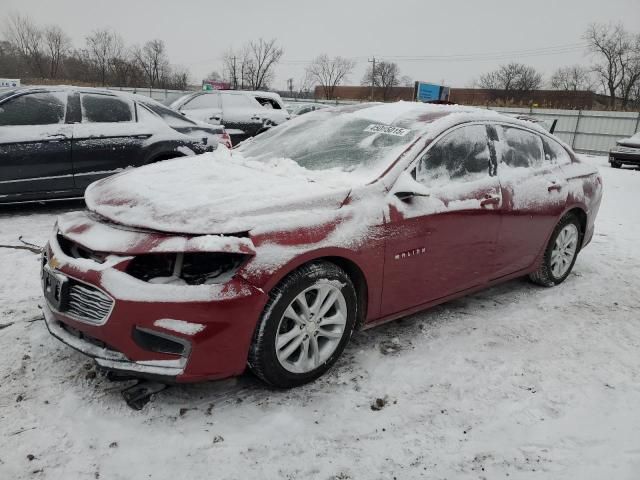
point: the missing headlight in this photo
(186, 268)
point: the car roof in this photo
(428, 118)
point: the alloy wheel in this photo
(564, 250)
(311, 327)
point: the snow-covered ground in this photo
(514, 382)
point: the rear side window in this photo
(105, 109)
(555, 153)
(268, 103)
(206, 100)
(519, 148)
(461, 156)
(46, 108)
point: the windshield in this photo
(344, 140)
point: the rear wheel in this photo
(305, 326)
(616, 164)
(561, 253)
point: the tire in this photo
(556, 265)
(307, 349)
(616, 164)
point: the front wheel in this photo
(305, 325)
(561, 253)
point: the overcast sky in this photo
(469, 37)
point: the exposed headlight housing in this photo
(198, 268)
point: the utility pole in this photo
(373, 74)
(290, 86)
(242, 76)
(235, 74)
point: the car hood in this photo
(215, 193)
(633, 142)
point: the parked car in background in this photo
(55, 141)
(296, 109)
(626, 152)
(270, 255)
(240, 113)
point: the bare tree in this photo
(180, 79)
(259, 61)
(102, 47)
(406, 81)
(385, 77)
(57, 44)
(614, 50)
(214, 75)
(512, 77)
(26, 38)
(152, 59)
(572, 78)
(631, 79)
(329, 72)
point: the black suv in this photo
(55, 141)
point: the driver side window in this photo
(463, 155)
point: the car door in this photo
(108, 137)
(534, 191)
(35, 145)
(241, 115)
(204, 107)
(444, 243)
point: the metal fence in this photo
(162, 95)
(586, 131)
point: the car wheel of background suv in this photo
(561, 253)
(616, 164)
(305, 325)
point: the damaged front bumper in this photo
(111, 359)
(181, 333)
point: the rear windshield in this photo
(171, 117)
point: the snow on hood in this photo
(633, 141)
(215, 193)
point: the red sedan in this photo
(272, 254)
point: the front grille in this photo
(88, 304)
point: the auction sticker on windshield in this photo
(397, 131)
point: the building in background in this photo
(574, 100)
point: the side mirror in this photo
(406, 187)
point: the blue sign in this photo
(429, 92)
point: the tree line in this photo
(614, 70)
(45, 52)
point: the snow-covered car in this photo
(296, 109)
(626, 152)
(240, 113)
(55, 141)
(270, 255)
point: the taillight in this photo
(225, 139)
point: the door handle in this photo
(554, 186)
(216, 118)
(490, 200)
(56, 137)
